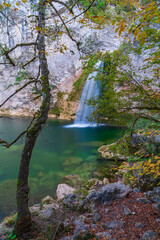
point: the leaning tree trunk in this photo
(24, 220)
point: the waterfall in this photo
(91, 90)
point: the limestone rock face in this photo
(63, 190)
(63, 65)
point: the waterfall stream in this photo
(91, 90)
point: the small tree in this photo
(24, 220)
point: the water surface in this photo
(58, 152)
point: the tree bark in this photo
(24, 220)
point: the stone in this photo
(157, 139)
(156, 206)
(127, 211)
(107, 193)
(93, 184)
(137, 139)
(136, 190)
(106, 153)
(115, 224)
(72, 180)
(149, 235)
(107, 210)
(63, 190)
(139, 225)
(72, 161)
(103, 235)
(71, 201)
(154, 195)
(143, 200)
(47, 200)
(97, 217)
(105, 181)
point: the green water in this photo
(59, 151)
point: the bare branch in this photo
(81, 12)
(32, 60)
(18, 90)
(64, 24)
(64, 4)
(8, 145)
(21, 45)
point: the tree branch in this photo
(18, 90)
(8, 145)
(64, 24)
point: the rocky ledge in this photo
(113, 211)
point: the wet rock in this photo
(156, 206)
(72, 180)
(143, 200)
(154, 195)
(149, 235)
(127, 211)
(115, 224)
(72, 161)
(139, 225)
(107, 193)
(63, 190)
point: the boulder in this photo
(105, 181)
(47, 200)
(63, 190)
(106, 153)
(107, 193)
(154, 195)
(93, 184)
(72, 180)
(136, 140)
(71, 201)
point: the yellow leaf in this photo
(143, 40)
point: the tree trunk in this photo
(24, 220)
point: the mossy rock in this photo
(72, 162)
(73, 180)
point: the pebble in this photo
(127, 211)
(139, 225)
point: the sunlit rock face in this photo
(18, 25)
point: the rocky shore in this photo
(108, 211)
